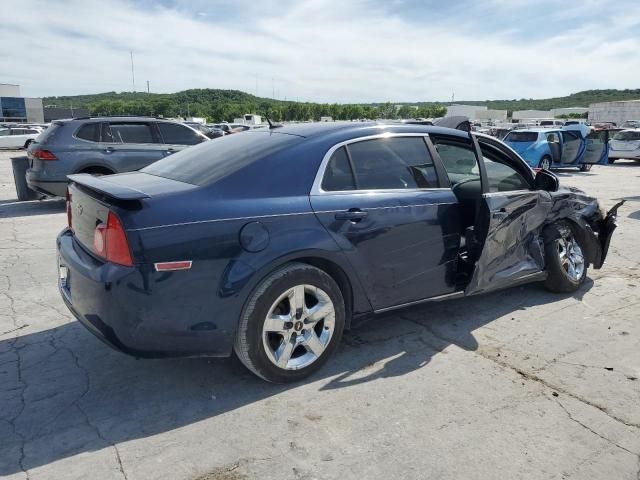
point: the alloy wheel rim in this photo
(571, 257)
(298, 327)
(546, 164)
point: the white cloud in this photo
(320, 50)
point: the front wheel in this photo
(291, 324)
(611, 161)
(566, 264)
(585, 167)
(545, 163)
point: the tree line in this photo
(276, 111)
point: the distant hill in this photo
(206, 95)
(218, 104)
(580, 99)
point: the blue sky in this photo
(324, 50)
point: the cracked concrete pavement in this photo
(516, 384)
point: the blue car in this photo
(269, 243)
(570, 146)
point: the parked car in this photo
(102, 146)
(572, 146)
(631, 124)
(18, 136)
(206, 130)
(625, 144)
(270, 242)
(551, 123)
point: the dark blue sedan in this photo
(269, 243)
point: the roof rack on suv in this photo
(115, 116)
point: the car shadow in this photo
(65, 393)
(15, 208)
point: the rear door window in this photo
(392, 163)
(338, 176)
(175, 134)
(89, 132)
(128, 132)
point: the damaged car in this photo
(270, 243)
(571, 146)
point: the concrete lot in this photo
(516, 384)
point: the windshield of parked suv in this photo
(210, 161)
(521, 137)
(628, 135)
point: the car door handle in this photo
(171, 150)
(355, 215)
(500, 214)
(109, 149)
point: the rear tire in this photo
(545, 163)
(279, 339)
(566, 265)
(585, 167)
(611, 161)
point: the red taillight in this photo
(110, 241)
(42, 154)
(69, 214)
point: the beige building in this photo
(15, 108)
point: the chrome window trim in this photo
(507, 193)
(316, 188)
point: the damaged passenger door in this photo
(512, 213)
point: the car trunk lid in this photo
(91, 198)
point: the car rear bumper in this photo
(121, 306)
(57, 188)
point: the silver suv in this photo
(102, 146)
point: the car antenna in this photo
(271, 124)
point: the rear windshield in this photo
(629, 135)
(210, 161)
(522, 137)
(49, 134)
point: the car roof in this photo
(356, 129)
(123, 118)
(534, 130)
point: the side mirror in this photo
(545, 180)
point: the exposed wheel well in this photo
(339, 276)
(588, 241)
(97, 170)
(27, 143)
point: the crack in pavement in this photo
(94, 427)
(530, 376)
(587, 427)
(12, 421)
